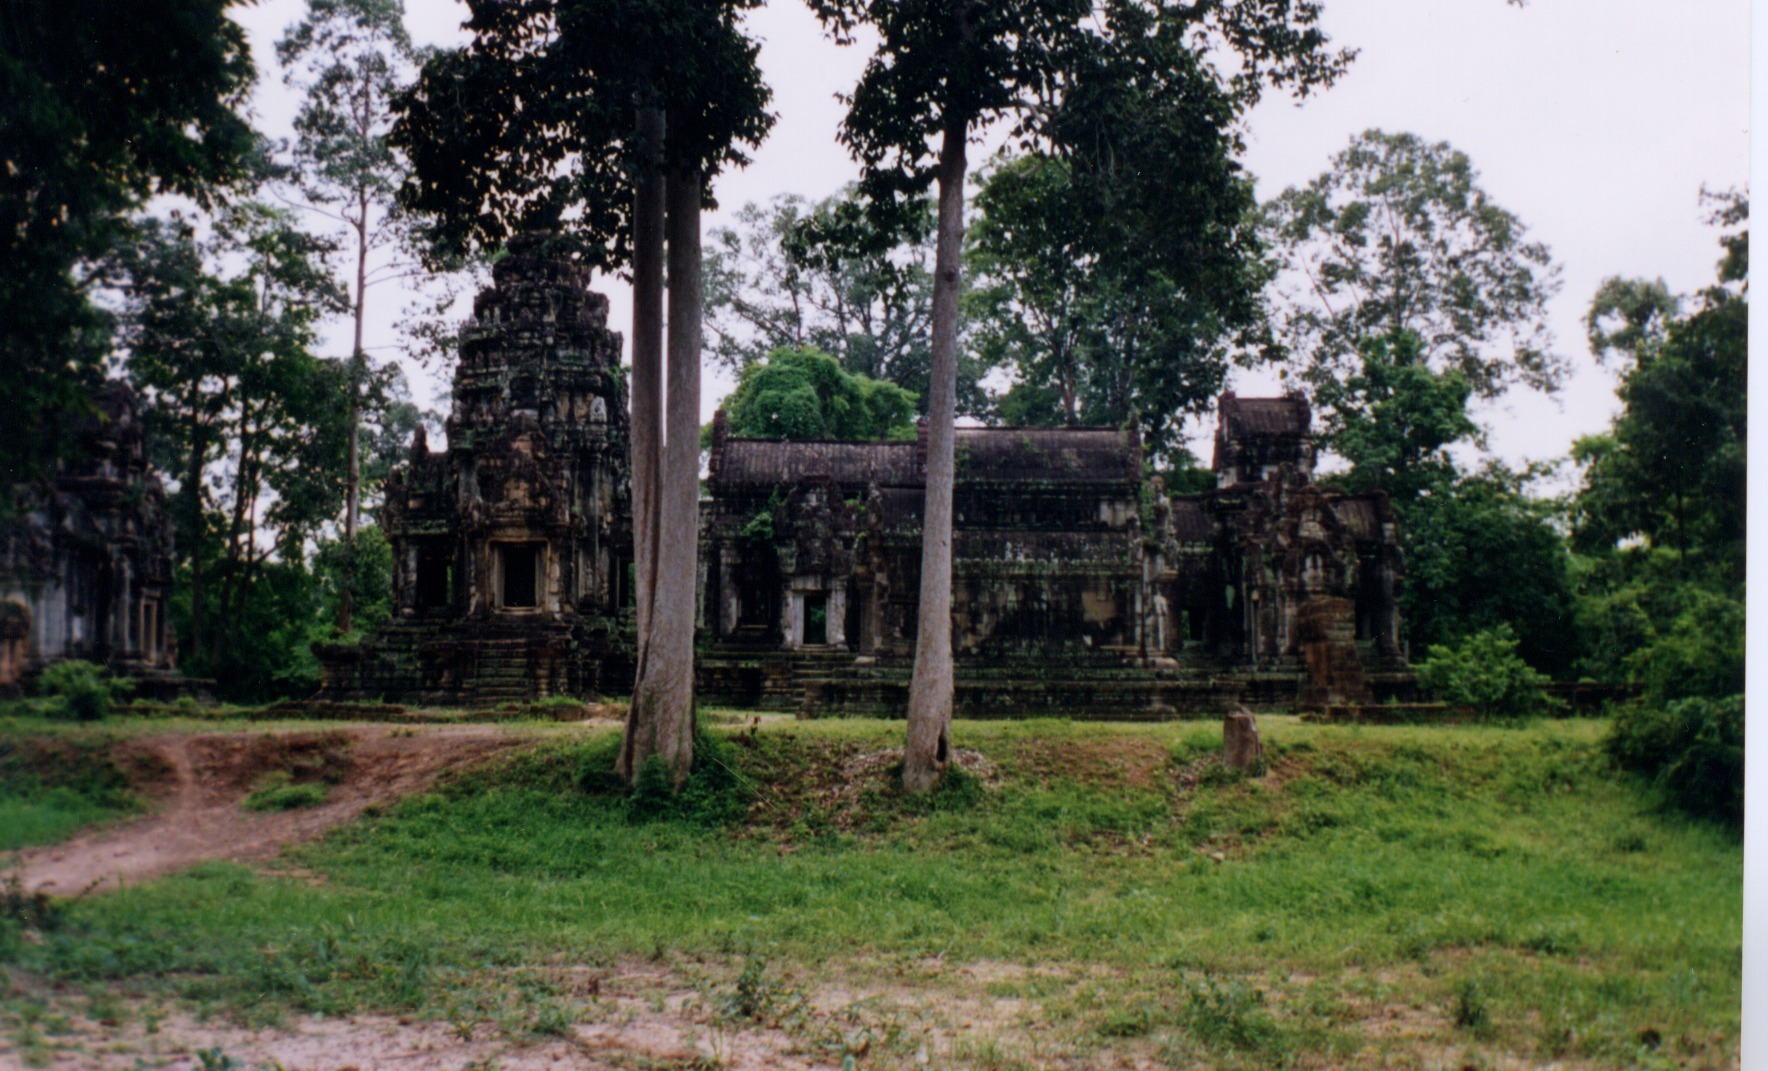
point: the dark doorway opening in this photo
(521, 569)
(816, 618)
(435, 581)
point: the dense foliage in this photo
(1484, 673)
(802, 393)
(77, 690)
(1398, 235)
(1108, 308)
(1692, 749)
(106, 103)
(823, 275)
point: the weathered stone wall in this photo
(89, 559)
(1076, 587)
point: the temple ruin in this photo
(1080, 586)
(86, 563)
(511, 548)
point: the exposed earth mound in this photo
(199, 785)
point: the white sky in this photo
(1594, 121)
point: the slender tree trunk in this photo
(353, 480)
(194, 480)
(664, 697)
(930, 692)
(647, 416)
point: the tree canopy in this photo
(803, 393)
(793, 273)
(1398, 235)
(530, 126)
(106, 104)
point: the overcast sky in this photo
(1595, 121)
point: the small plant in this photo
(34, 910)
(275, 792)
(755, 997)
(1231, 1014)
(78, 691)
(1484, 673)
(215, 1060)
(1468, 1008)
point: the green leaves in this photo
(1395, 419)
(106, 104)
(1398, 235)
(1485, 673)
(825, 276)
(803, 394)
(1661, 508)
(531, 125)
(1110, 304)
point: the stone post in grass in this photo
(1241, 747)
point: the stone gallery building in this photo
(1080, 587)
(86, 566)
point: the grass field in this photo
(1078, 895)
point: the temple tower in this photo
(510, 547)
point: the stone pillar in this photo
(836, 619)
(730, 603)
(1329, 652)
(1241, 747)
(791, 613)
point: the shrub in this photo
(77, 690)
(1485, 673)
(1691, 748)
(1700, 653)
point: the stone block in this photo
(1241, 747)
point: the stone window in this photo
(518, 574)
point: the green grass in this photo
(50, 789)
(276, 792)
(1506, 880)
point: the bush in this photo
(1485, 673)
(1700, 653)
(1691, 748)
(77, 690)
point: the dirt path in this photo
(204, 779)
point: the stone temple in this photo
(86, 564)
(511, 548)
(1080, 586)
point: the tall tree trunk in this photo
(194, 489)
(353, 479)
(663, 698)
(647, 414)
(930, 692)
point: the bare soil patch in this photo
(198, 784)
(1123, 762)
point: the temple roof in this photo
(1243, 417)
(1191, 522)
(774, 461)
(1064, 455)
(1363, 513)
(1007, 455)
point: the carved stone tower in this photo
(510, 548)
